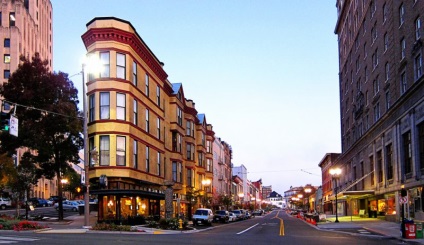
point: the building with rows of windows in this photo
(147, 135)
(26, 29)
(382, 107)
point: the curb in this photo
(64, 231)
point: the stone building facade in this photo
(381, 105)
(25, 29)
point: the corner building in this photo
(381, 106)
(148, 137)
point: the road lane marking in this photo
(281, 223)
(241, 232)
(9, 240)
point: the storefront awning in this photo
(353, 195)
(153, 195)
(358, 194)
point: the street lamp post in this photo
(335, 173)
(205, 183)
(86, 160)
(241, 199)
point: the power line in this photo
(38, 109)
(279, 171)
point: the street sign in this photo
(13, 130)
(83, 177)
(403, 200)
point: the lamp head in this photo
(335, 171)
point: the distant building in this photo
(222, 171)
(241, 172)
(266, 191)
(26, 29)
(326, 202)
(276, 199)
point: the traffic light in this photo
(5, 116)
(5, 121)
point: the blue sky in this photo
(265, 73)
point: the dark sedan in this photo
(221, 216)
(38, 202)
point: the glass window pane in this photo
(104, 106)
(104, 150)
(120, 151)
(120, 59)
(104, 60)
(120, 100)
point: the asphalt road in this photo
(274, 228)
(49, 212)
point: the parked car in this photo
(68, 205)
(81, 202)
(232, 217)
(203, 216)
(55, 199)
(38, 202)
(5, 202)
(50, 202)
(222, 216)
(257, 212)
(239, 214)
(248, 215)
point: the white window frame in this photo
(120, 65)
(134, 71)
(120, 151)
(104, 105)
(104, 159)
(135, 112)
(105, 63)
(146, 78)
(135, 154)
(120, 106)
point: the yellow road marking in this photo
(281, 223)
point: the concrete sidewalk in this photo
(385, 228)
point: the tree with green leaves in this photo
(7, 171)
(74, 181)
(26, 177)
(192, 196)
(50, 125)
(225, 200)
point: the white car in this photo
(5, 202)
(203, 216)
(68, 205)
(233, 217)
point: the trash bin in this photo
(419, 230)
(81, 209)
(410, 230)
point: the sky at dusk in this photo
(265, 73)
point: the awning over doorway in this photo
(353, 195)
(357, 194)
